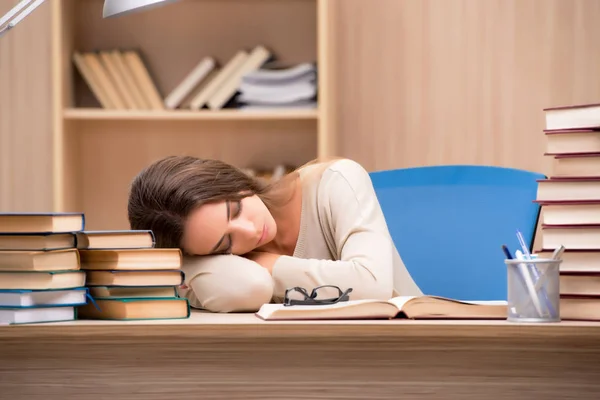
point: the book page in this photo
(400, 301)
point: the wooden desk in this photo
(233, 356)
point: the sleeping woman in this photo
(246, 241)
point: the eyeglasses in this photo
(312, 298)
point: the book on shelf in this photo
(186, 87)
(250, 79)
(570, 203)
(119, 80)
(411, 307)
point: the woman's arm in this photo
(364, 247)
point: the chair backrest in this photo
(449, 223)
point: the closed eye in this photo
(238, 209)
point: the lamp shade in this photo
(115, 8)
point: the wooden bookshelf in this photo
(98, 151)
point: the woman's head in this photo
(202, 206)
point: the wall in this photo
(26, 113)
(458, 81)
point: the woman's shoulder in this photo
(345, 169)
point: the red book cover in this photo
(572, 106)
(565, 202)
(562, 179)
(573, 130)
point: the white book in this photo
(255, 60)
(191, 81)
(213, 86)
(40, 298)
(35, 315)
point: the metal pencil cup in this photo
(533, 290)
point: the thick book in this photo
(572, 141)
(121, 292)
(41, 222)
(412, 307)
(55, 260)
(41, 280)
(115, 239)
(135, 309)
(573, 237)
(583, 308)
(571, 212)
(582, 261)
(584, 165)
(569, 188)
(587, 285)
(135, 278)
(131, 259)
(572, 116)
(37, 241)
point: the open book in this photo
(420, 307)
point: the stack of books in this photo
(272, 87)
(53, 270)
(129, 279)
(570, 201)
(40, 275)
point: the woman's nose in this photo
(243, 226)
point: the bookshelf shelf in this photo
(92, 114)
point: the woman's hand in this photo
(264, 259)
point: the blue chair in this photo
(449, 223)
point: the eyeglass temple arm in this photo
(17, 14)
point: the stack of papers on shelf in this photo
(273, 87)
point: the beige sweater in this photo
(344, 239)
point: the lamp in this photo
(12, 18)
(112, 8)
(115, 8)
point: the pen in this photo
(558, 252)
(534, 271)
(507, 252)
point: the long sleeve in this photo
(349, 210)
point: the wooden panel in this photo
(65, 165)
(111, 153)
(26, 113)
(458, 81)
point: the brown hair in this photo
(163, 195)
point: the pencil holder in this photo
(533, 290)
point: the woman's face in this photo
(235, 227)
